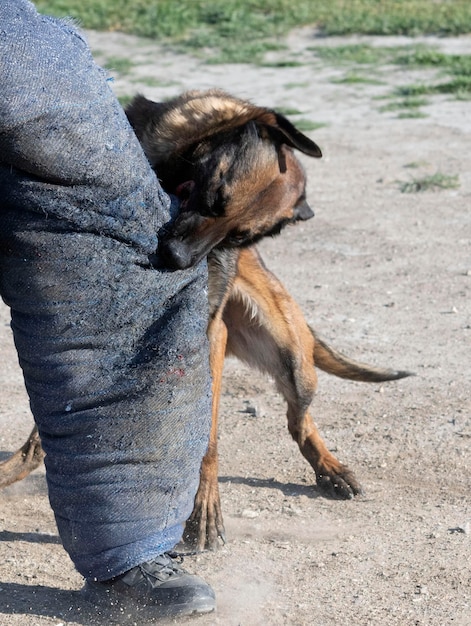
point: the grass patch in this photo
(411, 114)
(225, 25)
(412, 102)
(288, 111)
(407, 108)
(121, 65)
(296, 85)
(413, 91)
(459, 86)
(362, 54)
(301, 124)
(416, 164)
(434, 182)
(307, 125)
(414, 56)
(396, 17)
(425, 56)
(151, 81)
(282, 63)
(356, 79)
(167, 18)
(250, 52)
(455, 66)
(125, 100)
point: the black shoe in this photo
(157, 589)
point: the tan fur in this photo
(200, 115)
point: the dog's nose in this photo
(303, 211)
(175, 254)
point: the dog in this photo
(233, 166)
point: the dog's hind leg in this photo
(23, 461)
(267, 330)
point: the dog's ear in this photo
(143, 113)
(166, 129)
(169, 129)
(285, 132)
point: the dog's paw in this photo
(340, 484)
(204, 529)
(199, 536)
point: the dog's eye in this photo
(238, 238)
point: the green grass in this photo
(121, 65)
(416, 164)
(233, 52)
(125, 100)
(288, 111)
(454, 66)
(399, 17)
(457, 68)
(301, 124)
(151, 81)
(412, 56)
(459, 86)
(233, 28)
(362, 54)
(434, 182)
(426, 56)
(172, 18)
(296, 85)
(407, 107)
(282, 63)
(413, 102)
(411, 113)
(351, 78)
(414, 91)
(307, 125)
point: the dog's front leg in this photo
(267, 329)
(205, 524)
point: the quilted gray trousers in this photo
(113, 350)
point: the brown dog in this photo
(232, 164)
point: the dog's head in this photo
(231, 164)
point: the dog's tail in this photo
(333, 362)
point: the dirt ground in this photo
(386, 277)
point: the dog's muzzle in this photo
(176, 254)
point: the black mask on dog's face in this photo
(231, 163)
(245, 187)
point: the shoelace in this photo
(162, 568)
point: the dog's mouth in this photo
(188, 240)
(192, 236)
(244, 239)
(179, 254)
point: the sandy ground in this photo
(386, 276)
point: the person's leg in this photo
(114, 351)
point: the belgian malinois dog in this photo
(232, 164)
